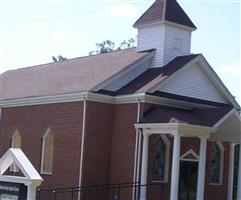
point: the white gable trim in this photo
(231, 112)
(190, 151)
(217, 83)
(14, 155)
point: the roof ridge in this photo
(65, 61)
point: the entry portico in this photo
(30, 178)
(226, 129)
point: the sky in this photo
(32, 31)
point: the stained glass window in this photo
(158, 160)
(215, 164)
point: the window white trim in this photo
(16, 132)
(196, 157)
(222, 149)
(13, 167)
(167, 158)
(48, 131)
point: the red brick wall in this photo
(123, 146)
(65, 120)
(97, 144)
(109, 147)
(123, 143)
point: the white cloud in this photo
(121, 10)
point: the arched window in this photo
(16, 142)
(160, 159)
(47, 152)
(217, 158)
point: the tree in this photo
(108, 46)
(125, 44)
(59, 58)
(103, 47)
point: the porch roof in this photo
(217, 123)
(207, 116)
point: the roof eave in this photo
(167, 23)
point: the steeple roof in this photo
(165, 10)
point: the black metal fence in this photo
(120, 191)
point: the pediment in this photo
(195, 83)
(17, 157)
(190, 155)
(198, 80)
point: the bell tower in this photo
(166, 28)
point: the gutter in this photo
(82, 145)
(137, 151)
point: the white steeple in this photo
(166, 28)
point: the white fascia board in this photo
(124, 71)
(99, 98)
(185, 130)
(165, 22)
(94, 97)
(225, 117)
(158, 128)
(156, 125)
(218, 82)
(43, 100)
(195, 130)
(132, 98)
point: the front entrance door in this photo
(188, 180)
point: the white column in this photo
(31, 195)
(144, 165)
(239, 175)
(201, 168)
(230, 171)
(175, 167)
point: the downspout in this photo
(82, 146)
(135, 175)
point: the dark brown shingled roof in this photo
(203, 116)
(165, 10)
(152, 76)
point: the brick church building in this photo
(152, 114)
